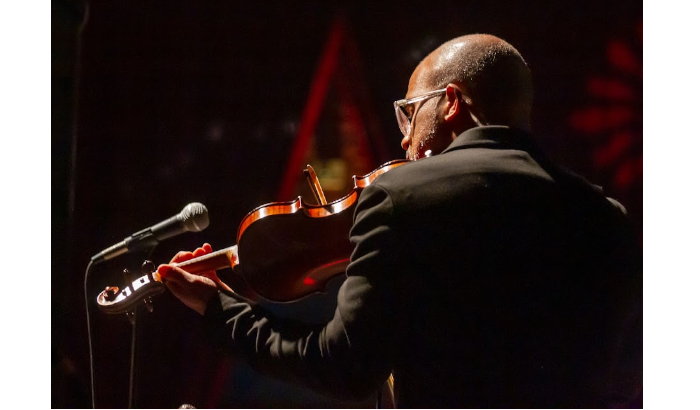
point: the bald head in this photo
(490, 71)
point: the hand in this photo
(195, 291)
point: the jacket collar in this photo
(493, 136)
(503, 137)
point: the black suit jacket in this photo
(482, 277)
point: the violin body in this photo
(297, 255)
(285, 250)
(289, 250)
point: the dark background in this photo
(156, 104)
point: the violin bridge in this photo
(315, 185)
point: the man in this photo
(482, 276)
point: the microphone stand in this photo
(194, 217)
(132, 363)
(89, 327)
(135, 330)
(132, 316)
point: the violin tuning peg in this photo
(109, 293)
(127, 276)
(148, 267)
(149, 304)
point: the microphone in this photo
(194, 217)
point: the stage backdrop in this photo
(160, 103)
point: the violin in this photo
(285, 250)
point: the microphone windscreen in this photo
(195, 217)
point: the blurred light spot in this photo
(625, 174)
(616, 148)
(621, 56)
(215, 132)
(290, 127)
(425, 46)
(596, 119)
(610, 89)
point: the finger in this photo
(184, 278)
(172, 273)
(182, 256)
(199, 252)
(207, 248)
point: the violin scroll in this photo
(113, 301)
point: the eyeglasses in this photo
(404, 117)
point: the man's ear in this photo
(461, 109)
(455, 109)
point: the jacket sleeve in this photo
(351, 355)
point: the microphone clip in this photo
(144, 239)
